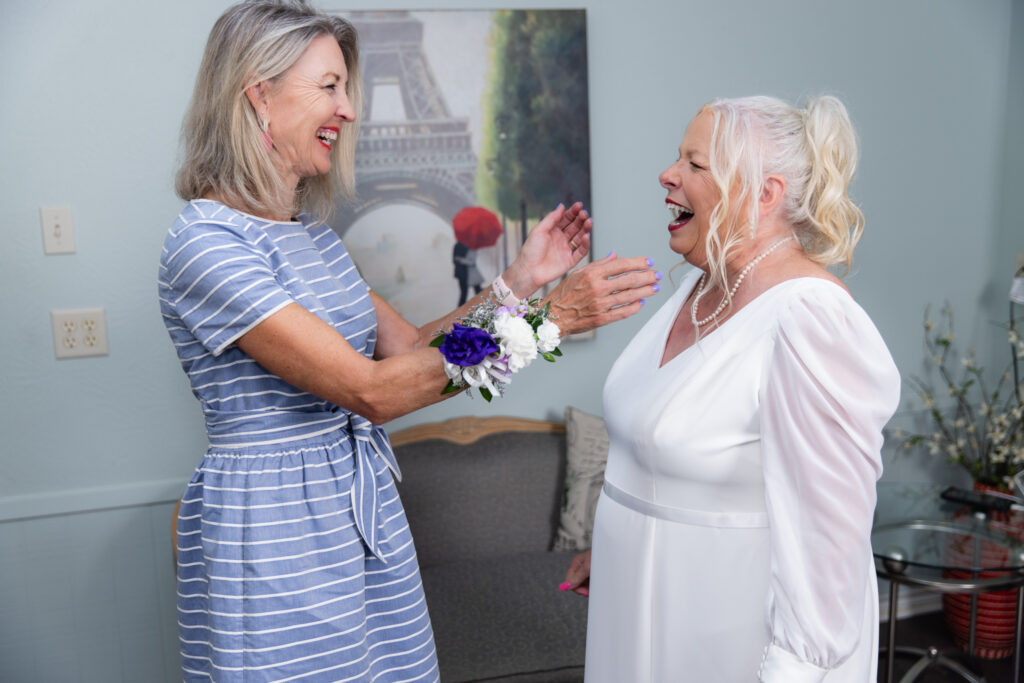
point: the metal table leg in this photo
(890, 660)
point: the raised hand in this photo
(556, 244)
(602, 292)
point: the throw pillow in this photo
(586, 453)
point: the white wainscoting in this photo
(910, 601)
(88, 596)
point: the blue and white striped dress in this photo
(295, 560)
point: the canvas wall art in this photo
(475, 124)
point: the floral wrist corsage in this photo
(493, 342)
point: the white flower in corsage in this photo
(493, 342)
(518, 340)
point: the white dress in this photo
(732, 537)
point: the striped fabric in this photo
(295, 560)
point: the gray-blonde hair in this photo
(814, 149)
(225, 154)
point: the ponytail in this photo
(833, 223)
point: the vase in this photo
(996, 611)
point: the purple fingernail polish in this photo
(609, 254)
(656, 287)
(657, 275)
(642, 302)
(650, 262)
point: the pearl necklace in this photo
(725, 299)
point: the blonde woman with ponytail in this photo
(731, 542)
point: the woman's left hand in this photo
(604, 291)
(577, 577)
(553, 247)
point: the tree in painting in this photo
(535, 147)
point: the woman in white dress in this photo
(732, 537)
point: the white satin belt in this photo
(735, 520)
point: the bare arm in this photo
(308, 353)
(406, 374)
(602, 292)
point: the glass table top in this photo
(916, 529)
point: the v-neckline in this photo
(718, 328)
(672, 322)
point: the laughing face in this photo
(306, 108)
(692, 194)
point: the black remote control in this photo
(976, 499)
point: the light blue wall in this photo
(95, 449)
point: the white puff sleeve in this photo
(829, 389)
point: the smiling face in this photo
(692, 194)
(305, 108)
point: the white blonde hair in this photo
(814, 149)
(225, 154)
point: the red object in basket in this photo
(996, 611)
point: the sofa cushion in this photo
(587, 453)
(504, 619)
(497, 496)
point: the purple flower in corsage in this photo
(467, 346)
(493, 343)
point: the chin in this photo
(680, 245)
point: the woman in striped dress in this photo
(295, 560)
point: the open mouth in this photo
(680, 215)
(327, 136)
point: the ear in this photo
(257, 94)
(773, 189)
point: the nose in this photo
(668, 178)
(345, 111)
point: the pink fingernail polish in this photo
(565, 586)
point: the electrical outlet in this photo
(58, 231)
(79, 332)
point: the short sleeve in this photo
(219, 283)
(830, 388)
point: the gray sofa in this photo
(484, 498)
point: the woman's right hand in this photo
(577, 578)
(602, 292)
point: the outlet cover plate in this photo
(79, 332)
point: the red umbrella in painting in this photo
(476, 227)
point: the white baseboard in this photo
(910, 601)
(89, 499)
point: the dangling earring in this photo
(265, 128)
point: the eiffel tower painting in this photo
(426, 156)
(425, 142)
